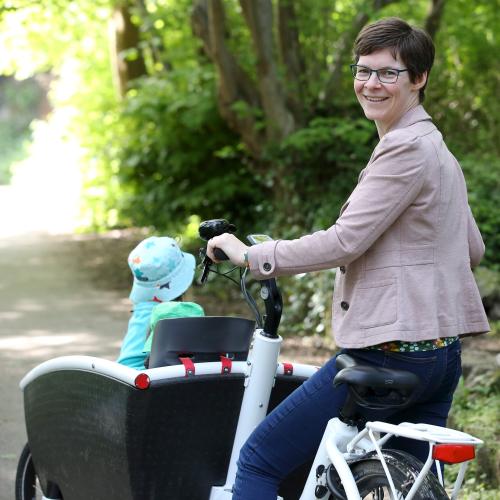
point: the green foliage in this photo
(41, 36)
(488, 282)
(464, 81)
(19, 102)
(330, 152)
(307, 304)
(482, 174)
(164, 154)
(164, 158)
(475, 410)
(13, 149)
(178, 158)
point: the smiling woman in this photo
(404, 245)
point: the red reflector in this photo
(453, 453)
(142, 381)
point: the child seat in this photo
(202, 339)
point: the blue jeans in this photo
(291, 433)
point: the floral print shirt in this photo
(423, 345)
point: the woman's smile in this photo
(375, 99)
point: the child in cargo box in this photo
(162, 274)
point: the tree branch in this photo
(235, 86)
(433, 21)
(291, 56)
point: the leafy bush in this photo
(482, 174)
(475, 410)
(488, 282)
(315, 169)
(177, 157)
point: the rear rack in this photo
(433, 434)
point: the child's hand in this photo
(231, 246)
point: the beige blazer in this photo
(405, 242)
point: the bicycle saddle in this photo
(375, 387)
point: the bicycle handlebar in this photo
(220, 255)
(270, 292)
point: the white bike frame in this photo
(342, 442)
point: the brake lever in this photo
(207, 230)
(207, 262)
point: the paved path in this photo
(47, 309)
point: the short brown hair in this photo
(413, 45)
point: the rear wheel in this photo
(373, 484)
(27, 486)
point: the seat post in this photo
(349, 412)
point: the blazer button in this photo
(267, 266)
(342, 269)
(344, 305)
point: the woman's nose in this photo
(373, 81)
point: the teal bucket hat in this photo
(162, 272)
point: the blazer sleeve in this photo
(476, 244)
(390, 184)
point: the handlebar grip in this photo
(220, 255)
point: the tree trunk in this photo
(258, 111)
(291, 56)
(128, 62)
(259, 18)
(433, 21)
(237, 95)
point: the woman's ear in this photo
(420, 81)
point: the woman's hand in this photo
(231, 246)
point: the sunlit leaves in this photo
(36, 36)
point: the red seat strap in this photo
(227, 365)
(188, 366)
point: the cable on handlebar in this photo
(225, 275)
(249, 299)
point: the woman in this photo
(405, 242)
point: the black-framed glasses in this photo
(385, 75)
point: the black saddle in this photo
(375, 387)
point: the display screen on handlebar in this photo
(255, 239)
